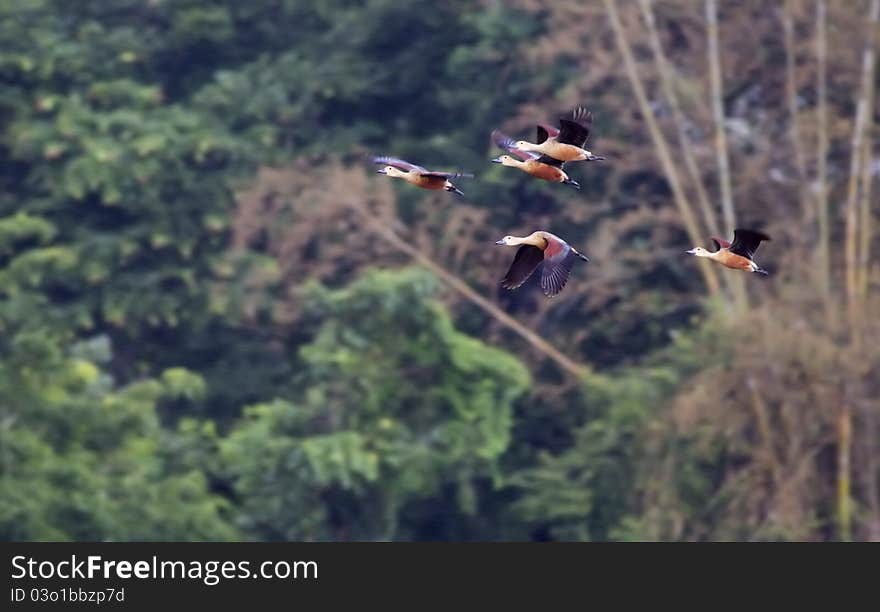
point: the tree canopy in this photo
(217, 322)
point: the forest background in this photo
(218, 323)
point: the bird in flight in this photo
(737, 255)
(419, 176)
(535, 164)
(538, 248)
(567, 142)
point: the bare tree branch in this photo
(844, 451)
(717, 97)
(866, 222)
(863, 109)
(762, 416)
(660, 145)
(666, 79)
(822, 153)
(791, 95)
(384, 231)
(721, 153)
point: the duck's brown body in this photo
(733, 261)
(543, 171)
(561, 151)
(427, 181)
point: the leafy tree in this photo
(394, 408)
(81, 458)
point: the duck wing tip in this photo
(502, 141)
(747, 232)
(544, 131)
(720, 243)
(747, 241)
(401, 164)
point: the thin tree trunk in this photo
(791, 94)
(824, 263)
(866, 225)
(666, 82)
(717, 96)
(859, 172)
(872, 474)
(384, 231)
(844, 444)
(863, 109)
(660, 145)
(762, 416)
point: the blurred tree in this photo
(585, 489)
(130, 212)
(395, 408)
(81, 457)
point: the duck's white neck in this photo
(533, 239)
(511, 161)
(395, 172)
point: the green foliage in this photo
(394, 407)
(166, 372)
(584, 492)
(81, 457)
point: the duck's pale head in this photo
(505, 160)
(391, 171)
(699, 252)
(523, 145)
(507, 240)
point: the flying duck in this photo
(419, 176)
(737, 255)
(540, 247)
(566, 143)
(530, 162)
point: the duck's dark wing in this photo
(527, 259)
(398, 163)
(555, 274)
(550, 161)
(720, 243)
(540, 134)
(746, 242)
(558, 261)
(508, 144)
(574, 128)
(545, 131)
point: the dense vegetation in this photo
(217, 322)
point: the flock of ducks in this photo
(545, 159)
